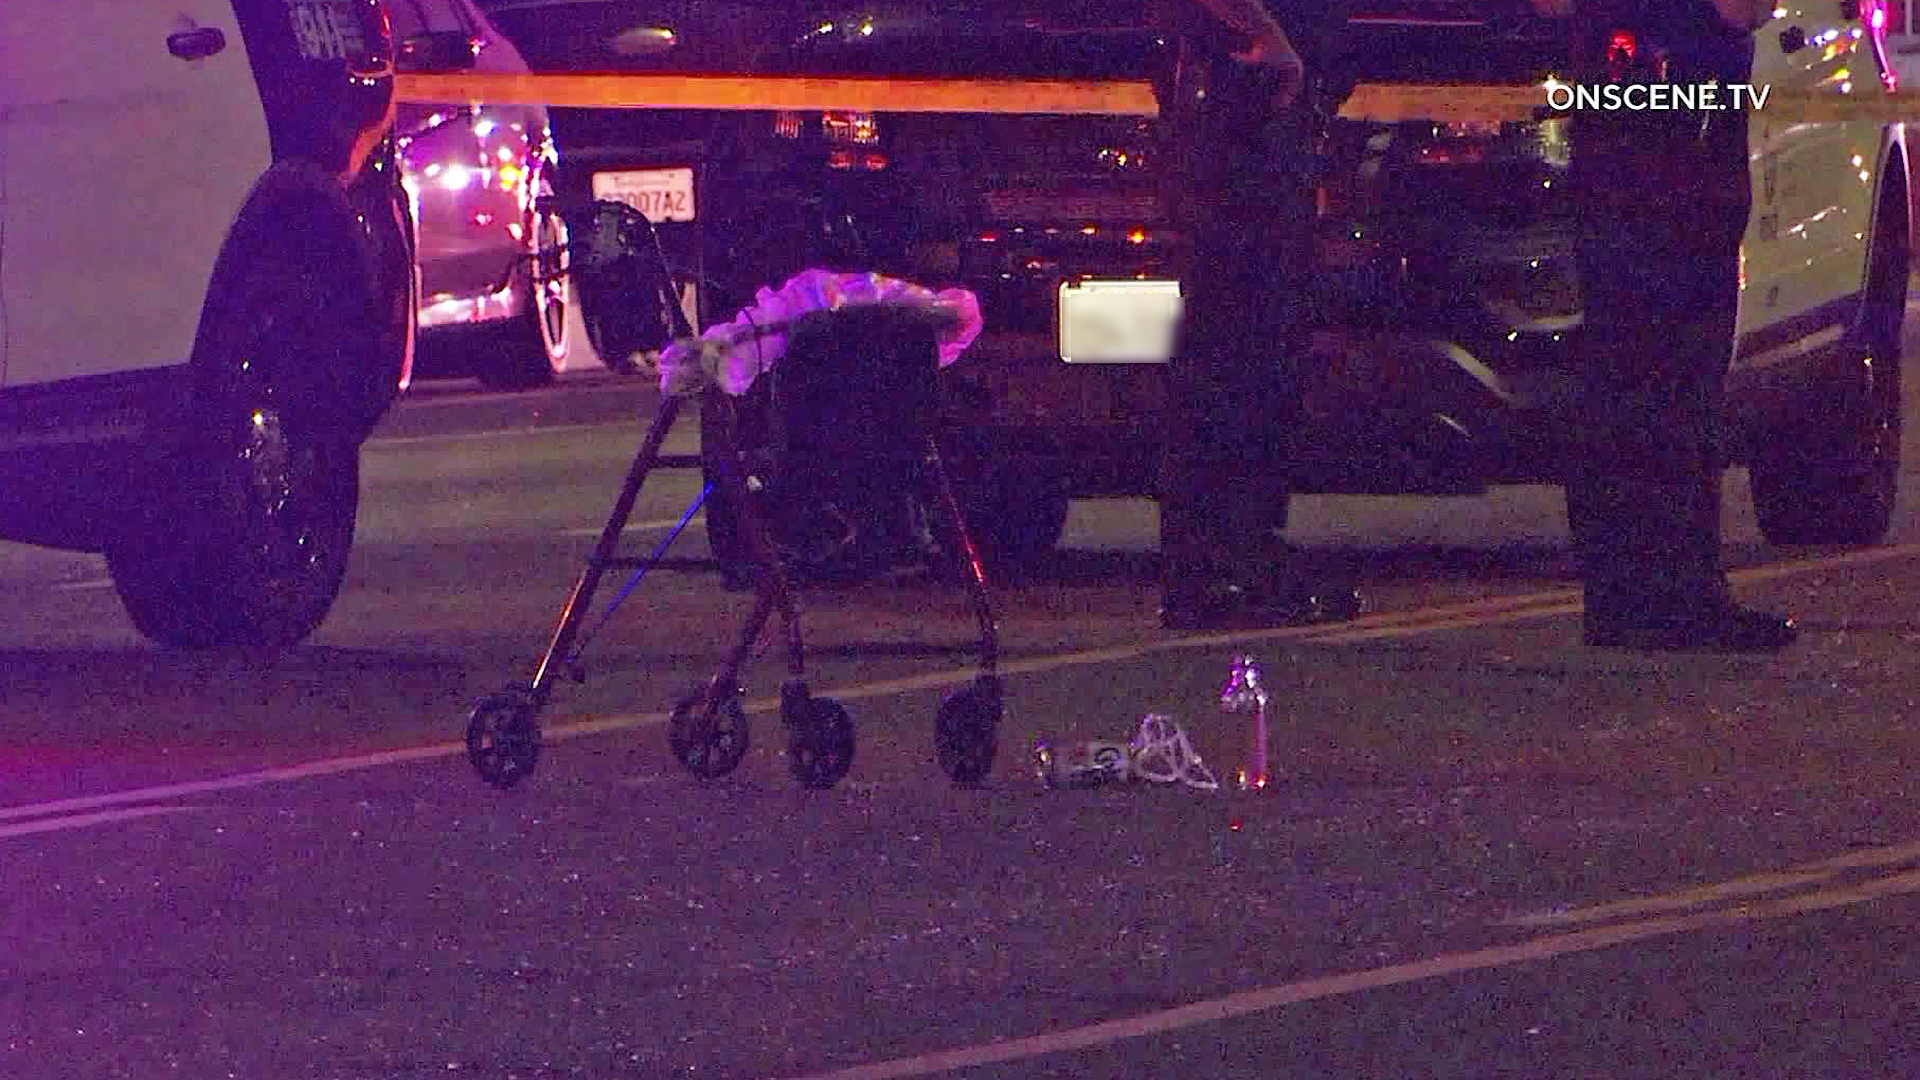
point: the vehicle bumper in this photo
(440, 310)
(1382, 413)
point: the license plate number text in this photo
(660, 194)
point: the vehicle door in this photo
(6, 123)
(136, 132)
(1813, 183)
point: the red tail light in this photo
(1622, 51)
(858, 128)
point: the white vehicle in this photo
(1815, 381)
(206, 296)
(476, 173)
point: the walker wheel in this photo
(503, 737)
(708, 736)
(966, 731)
(820, 742)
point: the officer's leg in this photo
(1272, 263)
(1234, 413)
(1190, 492)
(1197, 485)
(1647, 506)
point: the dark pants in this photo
(1234, 188)
(1660, 279)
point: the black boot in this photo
(1653, 577)
(1714, 626)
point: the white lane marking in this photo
(649, 525)
(1488, 612)
(76, 586)
(639, 430)
(81, 821)
(1252, 1002)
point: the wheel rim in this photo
(1888, 297)
(966, 737)
(822, 746)
(719, 748)
(550, 276)
(502, 742)
(290, 511)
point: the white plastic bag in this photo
(733, 354)
(1161, 752)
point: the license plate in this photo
(1118, 322)
(660, 194)
(326, 29)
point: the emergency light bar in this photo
(1379, 102)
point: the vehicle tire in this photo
(624, 325)
(530, 350)
(248, 544)
(1014, 506)
(241, 508)
(1835, 480)
(725, 536)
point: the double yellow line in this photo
(1661, 917)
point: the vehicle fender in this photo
(1896, 163)
(381, 198)
(306, 263)
(1894, 166)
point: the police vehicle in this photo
(207, 295)
(1447, 358)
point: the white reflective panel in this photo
(1118, 322)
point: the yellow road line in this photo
(1494, 611)
(1778, 881)
(1489, 612)
(81, 821)
(1756, 885)
(1253, 1002)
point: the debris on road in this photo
(1246, 692)
(1159, 752)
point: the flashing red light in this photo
(840, 159)
(1622, 47)
(874, 162)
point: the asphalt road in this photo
(1487, 852)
